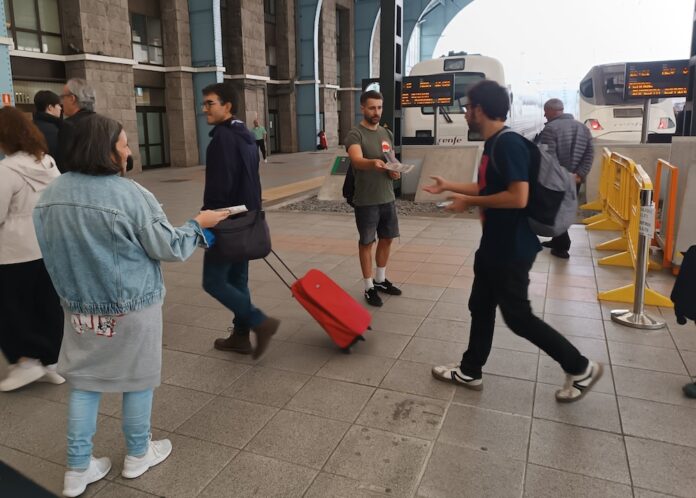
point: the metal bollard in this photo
(637, 318)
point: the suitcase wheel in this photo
(345, 350)
(369, 327)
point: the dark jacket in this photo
(232, 168)
(50, 127)
(571, 142)
(66, 136)
(684, 291)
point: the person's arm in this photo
(164, 242)
(548, 137)
(515, 197)
(218, 174)
(10, 183)
(359, 162)
(587, 158)
(441, 185)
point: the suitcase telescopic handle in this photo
(276, 271)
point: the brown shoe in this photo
(236, 343)
(264, 332)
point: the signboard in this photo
(427, 90)
(647, 221)
(660, 79)
(6, 99)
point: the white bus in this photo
(609, 117)
(526, 113)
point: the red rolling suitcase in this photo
(342, 317)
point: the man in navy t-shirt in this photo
(507, 250)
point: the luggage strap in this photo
(276, 271)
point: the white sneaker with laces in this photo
(22, 373)
(576, 386)
(157, 452)
(76, 481)
(452, 373)
(51, 375)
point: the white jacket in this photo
(22, 179)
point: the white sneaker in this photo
(75, 481)
(51, 376)
(265, 160)
(576, 386)
(157, 452)
(22, 373)
(452, 373)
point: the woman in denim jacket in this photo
(103, 237)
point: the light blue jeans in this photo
(83, 409)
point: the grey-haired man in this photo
(78, 99)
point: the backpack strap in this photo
(493, 143)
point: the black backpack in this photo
(684, 291)
(349, 186)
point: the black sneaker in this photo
(372, 297)
(388, 288)
(560, 254)
(548, 244)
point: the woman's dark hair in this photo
(370, 94)
(93, 147)
(19, 134)
(225, 92)
(45, 98)
(492, 98)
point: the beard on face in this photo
(372, 119)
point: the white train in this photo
(526, 112)
(604, 112)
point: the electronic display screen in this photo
(427, 90)
(660, 79)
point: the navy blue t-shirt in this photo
(507, 235)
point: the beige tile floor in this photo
(309, 421)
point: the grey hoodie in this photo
(22, 179)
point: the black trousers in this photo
(31, 318)
(505, 285)
(262, 145)
(562, 242)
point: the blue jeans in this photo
(83, 409)
(229, 284)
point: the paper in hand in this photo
(393, 164)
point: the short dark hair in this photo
(370, 94)
(225, 92)
(93, 148)
(45, 98)
(491, 97)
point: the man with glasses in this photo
(78, 100)
(232, 179)
(506, 252)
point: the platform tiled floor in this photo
(309, 421)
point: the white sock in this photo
(380, 274)
(368, 283)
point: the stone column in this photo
(327, 62)
(244, 40)
(287, 70)
(179, 98)
(347, 61)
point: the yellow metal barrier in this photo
(623, 205)
(602, 220)
(665, 212)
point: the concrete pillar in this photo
(287, 70)
(179, 98)
(329, 80)
(245, 49)
(346, 98)
(366, 13)
(104, 29)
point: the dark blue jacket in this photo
(232, 168)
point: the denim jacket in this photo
(102, 239)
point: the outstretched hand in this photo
(210, 218)
(436, 188)
(460, 203)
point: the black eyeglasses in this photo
(209, 103)
(64, 95)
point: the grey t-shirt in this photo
(372, 187)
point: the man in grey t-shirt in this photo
(375, 213)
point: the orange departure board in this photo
(429, 90)
(661, 79)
